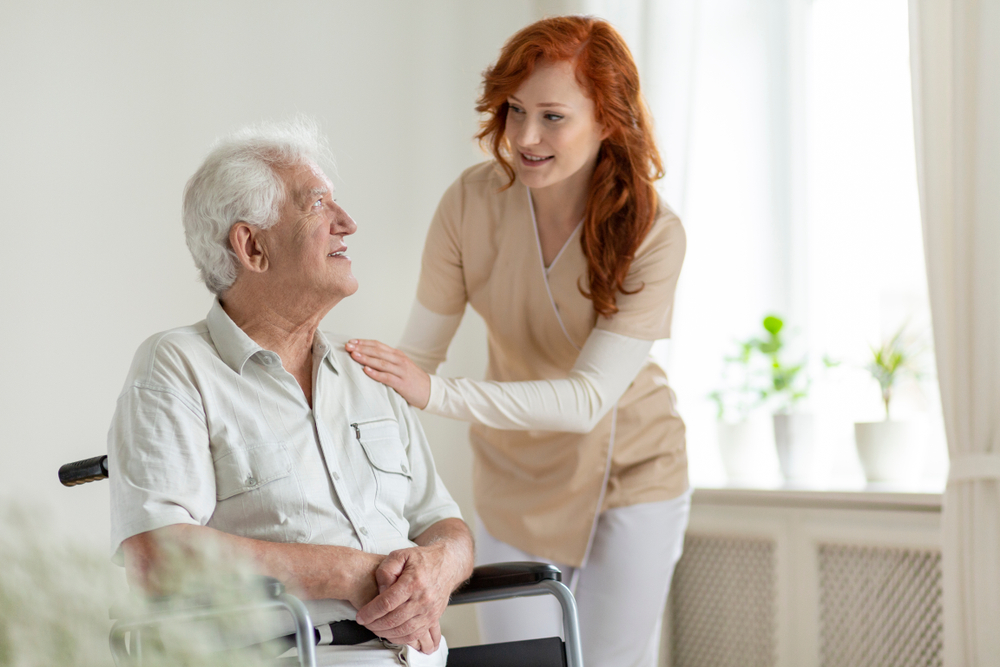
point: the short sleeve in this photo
(429, 500)
(160, 464)
(647, 314)
(442, 280)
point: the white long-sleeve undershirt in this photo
(607, 365)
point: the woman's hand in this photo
(394, 369)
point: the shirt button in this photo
(251, 481)
(403, 466)
(363, 530)
(336, 475)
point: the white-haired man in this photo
(251, 430)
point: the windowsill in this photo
(919, 497)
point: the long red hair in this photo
(621, 203)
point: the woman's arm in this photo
(427, 336)
(607, 365)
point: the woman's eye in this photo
(514, 109)
(553, 116)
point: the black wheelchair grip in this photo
(81, 472)
(504, 575)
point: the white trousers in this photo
(376, 654)
(620, 592)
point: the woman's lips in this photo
(530, 160)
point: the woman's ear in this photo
(245, 240)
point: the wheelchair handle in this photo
(81, 472)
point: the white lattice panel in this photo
(880, 606)
(723, 604)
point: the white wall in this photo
(106, 108)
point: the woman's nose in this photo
(528, 134)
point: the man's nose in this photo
(342, 223)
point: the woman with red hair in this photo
(561, 243)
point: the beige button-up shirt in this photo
(211, 430)
(541, 490)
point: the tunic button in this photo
(363, 530)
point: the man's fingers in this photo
(389, 570)
(404, 619)
(386, 602)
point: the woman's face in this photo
(551, 128)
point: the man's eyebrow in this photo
(311, 195)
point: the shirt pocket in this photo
(248, 468)
(380, 440)
(258, 494)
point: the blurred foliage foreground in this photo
(55, 597)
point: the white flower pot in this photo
(742, 446)
(794, 442)
(890, 451)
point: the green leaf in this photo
(773, 324)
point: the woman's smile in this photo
(532, 160)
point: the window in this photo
(799, 197)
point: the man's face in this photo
(306, 249)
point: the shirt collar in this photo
(235, 346)
(324, 349)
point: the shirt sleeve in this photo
(647, 313)
(428, 501)
(441, 288)
(159, 462)
(607, 365)
(427, 336)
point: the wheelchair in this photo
(488, 582)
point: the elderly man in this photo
(251, 430)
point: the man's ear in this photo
(246, 243)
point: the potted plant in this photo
(739, 394)
(764, 378)
(889, 450)
(788, 385)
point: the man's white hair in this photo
(238, 182)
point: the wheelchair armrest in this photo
(260, 587)
(499, 576)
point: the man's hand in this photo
(415, 584)
(363, 585)
(414, 587)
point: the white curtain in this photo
(955, 58)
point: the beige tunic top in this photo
(540, 490)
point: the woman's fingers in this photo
(377, 363)
(374, 349)
(393, 368)
(378, 356)
(389, 379)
